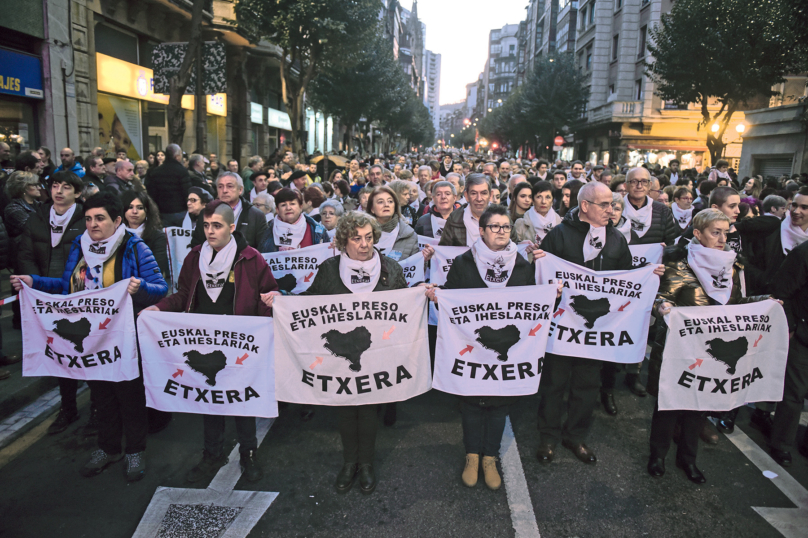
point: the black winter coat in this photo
(5, 247)
(16, 215)
(158, 244)
(790, 284)
(168, 186)
(328, 281)
(663, 227)
(34, 254)
(251, 223)
(567, 242)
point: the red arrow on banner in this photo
(50, 339)
(467, 349)
(559, 312)
(318, 362)
(697, 363)
(308, 278)
(622, 307)
(240, 360)
(534, 330)
(758, 340)
(175, 374)
(386, 334)
(104, 324)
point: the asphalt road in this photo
(418, 462)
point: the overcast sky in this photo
(458, 31)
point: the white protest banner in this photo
(718, 358)
(210, 365)
(491, 341)
(602, 315)
(646, 254)
(352, 349)
(88, 335)
(424, 241)
(413, 269)
(521, 248)
(179, 245)
(441, 262)
(294, 270)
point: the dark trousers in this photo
(482, 427)
(578, 377)
(357, 428)
(663, 424)
(68, 389)
(432, 333)
(795, 389)
(121, 408)
(214, 434)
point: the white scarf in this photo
(495, 267)
(387, 241)
(640, 218)
(269, 216)
(674, 178)
(358, 276)
(625, 229)
(58, 224)
(96, 253)
(791, 236)
(137, 231)
(215, 273)
(187, 222)
(594, 242)
(253, 194)
(288, 236)
(542, 225)
(472, 226)
(331, 233)
(237, 212)
(713, 268)
(437, 225)
(682, 216)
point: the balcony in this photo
(616, 111)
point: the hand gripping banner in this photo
(294, 270)
(88, 335)
(491, 341)
(352, 349)
(179, 246)
(205, 364)
(718, 358)
(602, 315)
(441, 262)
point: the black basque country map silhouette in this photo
(499, 341)
(728, 353)
(287, 282)
(207, 364)
(73, 331)
(349, 346)
(589, 309)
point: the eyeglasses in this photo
(603, 205)
(261, 206)
(643, 182)
(498, 228)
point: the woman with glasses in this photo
(330, 213)
(266, 204)
(682, 207)
(196, 201)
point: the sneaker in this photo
(91, 428)
(250, 468)
(63, 420)
(207, 467)
(99, 460)
(134, 466)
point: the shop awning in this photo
(661, 147)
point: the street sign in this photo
(558, 141)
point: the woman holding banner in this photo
(689, 281)
(291, 229)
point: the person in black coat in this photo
(168, 186)
(578, 376)
(486, 413)
(250, 221)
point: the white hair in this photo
(239, 181)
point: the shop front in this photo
(21, 93)
(131, 117)
(280, 128)
(689, 156)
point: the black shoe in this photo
(207, 467)
(803, 449)
(346, 477)
(250, 468)
(581, 451)
(91, 428)
(656, 466)
(607, 399)
(692, 472)
(63, 420)
(306, 414)
(782, 457)
(708, 433)
(762, 421)
(546, 453)
(6, 360)
(367, 478)
(390, 414)
(726, 424)
(634, 384)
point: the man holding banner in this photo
(203, 290)
(587, 238)
(105, 254)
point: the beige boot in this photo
(492, 479)
(471, 470)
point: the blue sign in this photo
(20, 74)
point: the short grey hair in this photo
(195, 158)
(255, 159)
(617, 198)
(476, 179)
(336, 206)
(495, 165)
(120, 165)
(588, 190)
(239, 181)
(772, 201)
(172, 150)
(637, 170)
(267, 199)
(460, 179)
(444, 184)
(516, 178)
(425, 167)
(705, 217)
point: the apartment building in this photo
(541, 26)
(432, 93)
(500, 73)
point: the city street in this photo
(418, 462)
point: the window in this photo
(490, 103)
(491, 87)
(638, 89)
(589, 58)
(583, 19)
(618, 4)
(511, 50)
(581, 62)
(539, 34)
(584, 108)
(592, 13)
(611, 89)
(643, 34)
(615, 41)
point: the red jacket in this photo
(252, 278)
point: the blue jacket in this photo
(267, 241)
(77, 169)
(138, 261)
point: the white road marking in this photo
(219, 492)
(522, 516)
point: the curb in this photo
(16, 425)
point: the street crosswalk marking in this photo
(522, 515)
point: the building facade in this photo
(500, 73)
(432, 93)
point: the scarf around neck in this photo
(214, 267)
(642, 218)
(389, 235)
(594, 242)
(59, 223)
(624, 228)
(137, 231)
(289, 236)
(97, 253)
(188, 223)
(494, 267)
(791, 236)
(682, 216)
(360, 276)
(713, 269)
(542, 225)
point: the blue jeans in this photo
(482, 428)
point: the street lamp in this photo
(489, 110)
(499, 100)
(740, 128)
(714, 128)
